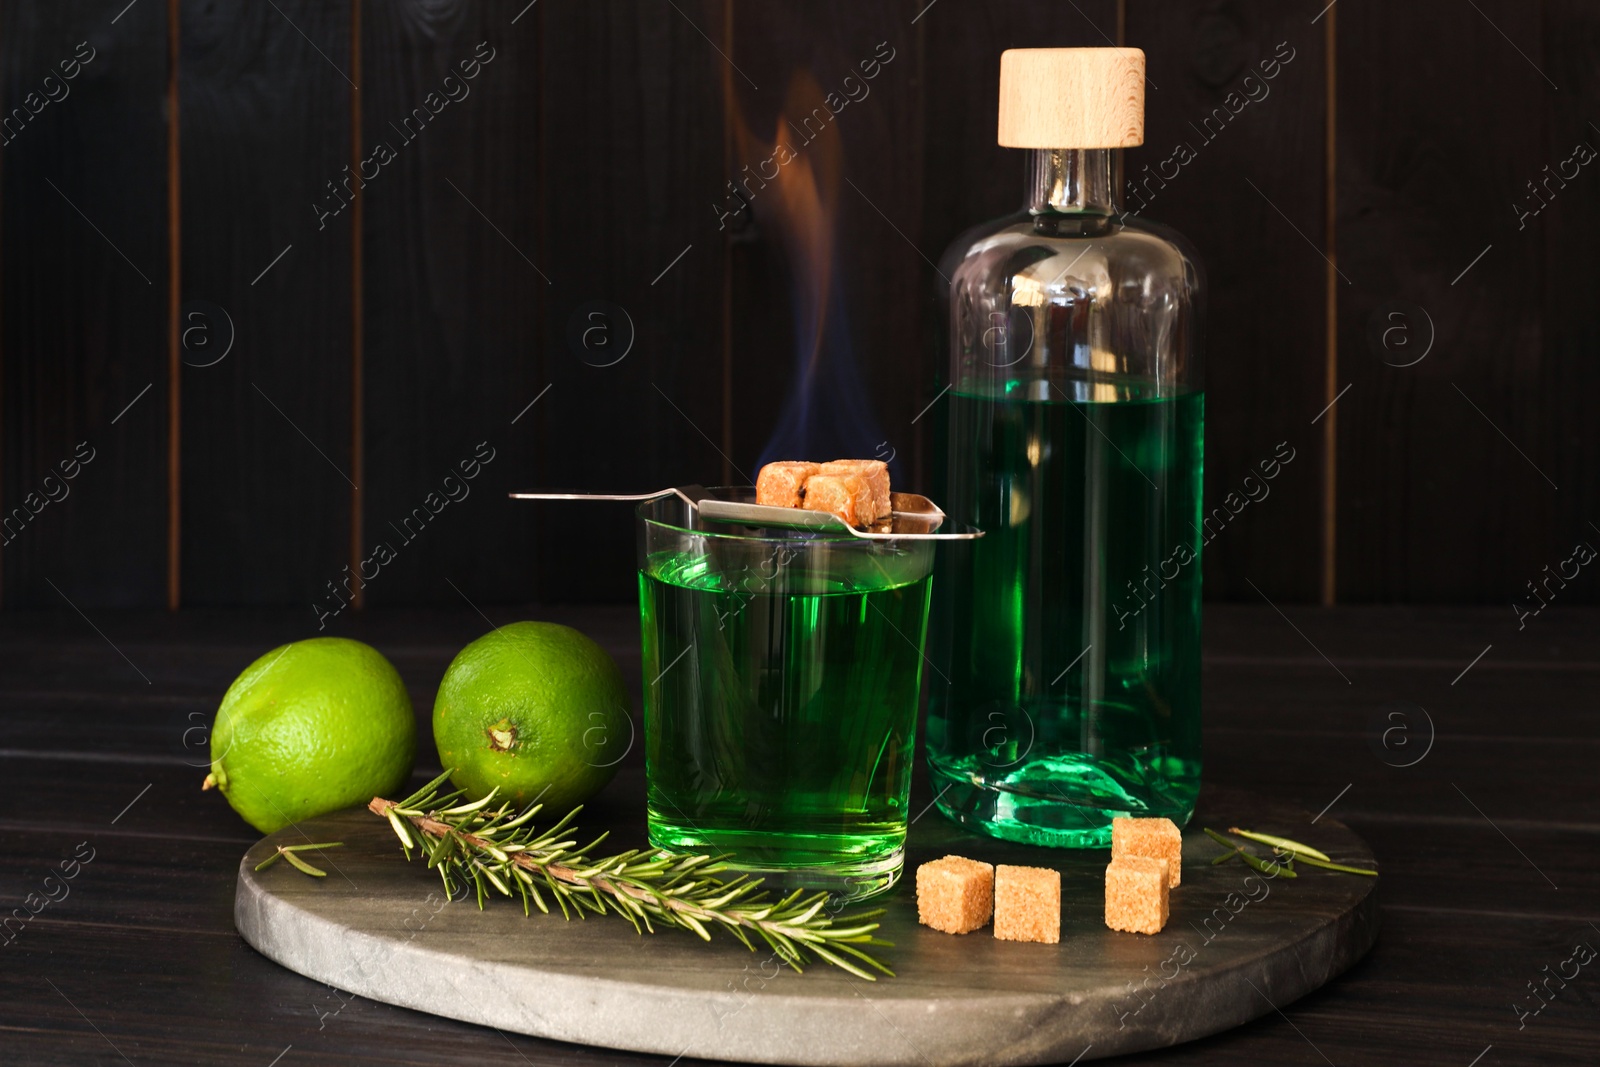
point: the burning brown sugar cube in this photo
(848, 496)
(955, 894)
(1137, 894)
(876, 472)
(782, 484)
(1156, 838)
(1027, 904)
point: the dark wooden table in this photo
(1469, 768)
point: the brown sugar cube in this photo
(782, 484)
(876, 472)
(848, 496)
(1027, 904)
(1156, 838)
(955, 894)
(1137, 894)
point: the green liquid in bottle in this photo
(1070, 632)
(781, 715)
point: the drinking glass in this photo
(782, 670)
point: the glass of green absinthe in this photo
(781, 670)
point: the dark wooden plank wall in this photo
(632, 344)
(582, 171)
(264, 119)
(453, 299)
(1232, 145)
(1570, 53)
(83, 306)
(1452, 470)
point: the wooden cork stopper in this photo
(1071, 97)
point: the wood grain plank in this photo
(197, 650)
(202, 651)
(138, 888)
(113, 801)
(1233, 159)
(827, 277)
(1462, 780)
(1443, 490)
(1448, 637)
(265, 100)
(216, 1001)
(632, 133)
(172, 727)
(1307, 700)
(148, 952)
(1571, 334)
(83, 352)
(454, 278)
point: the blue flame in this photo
(826, 414)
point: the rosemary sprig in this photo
(1282, 846)
(287, 852)
(1284, 843)
(1284, 870)
(1312, 861)
(498, 850)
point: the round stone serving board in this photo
(1237, 946)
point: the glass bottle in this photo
(1066, 641)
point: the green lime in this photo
(536, 709)
(309, 728)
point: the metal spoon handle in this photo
(592, 496)
(689, 494)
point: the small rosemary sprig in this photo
(1274, 869)
(1292, 851)
(288, 852)
(496, 849)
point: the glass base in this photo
(843, 877)
(1061, 802)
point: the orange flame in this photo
(801, 168)
(792, 181)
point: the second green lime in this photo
(535, 709)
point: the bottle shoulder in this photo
(1075, 306)
(1051, 250)
(957, 251)
(1180, 245)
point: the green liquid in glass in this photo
(1070, 632)
(780, 717)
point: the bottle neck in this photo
(1074, 181)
